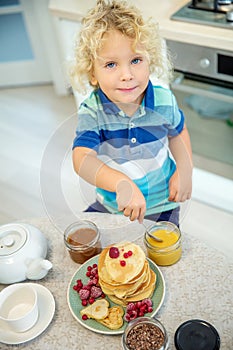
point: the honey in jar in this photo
(169, 250)
(82, 240)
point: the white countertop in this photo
(199, 286)
(161, 10)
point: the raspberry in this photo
(131, 306)
(89, 292)
(95, 281)
(92, 282)
(143, 309)
(84, 294)
(123, 263)
(133, 315)
(96, 292)
(94, 271)
(87, 287)
(140, 308)
(147, 301)
(127, 317)
(114, 252)
(84, 302)
(79, 283)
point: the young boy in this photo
(131, 140)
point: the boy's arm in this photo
(180, 186)
(129, 198)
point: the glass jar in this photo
(82, 239)
(145, 333)
(167, 252)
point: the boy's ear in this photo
(93, 80)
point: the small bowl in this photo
(144, 330)
(18, 307)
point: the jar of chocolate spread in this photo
(145, 333)
(82, 239)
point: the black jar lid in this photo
(196, 334)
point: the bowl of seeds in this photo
(145, 333)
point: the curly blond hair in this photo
(127, 19)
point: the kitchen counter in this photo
(162, 10)
(199, 286)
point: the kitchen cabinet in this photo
(161, 11)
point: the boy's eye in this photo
(110, 65)
(136, 60)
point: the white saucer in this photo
(46, 305)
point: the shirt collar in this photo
(148, 100)
(111, 108)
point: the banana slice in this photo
(98, 310)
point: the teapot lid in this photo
(12, 238)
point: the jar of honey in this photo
(169, 250)
(82, 239)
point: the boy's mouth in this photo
(127, 89)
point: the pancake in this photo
(124, 273)
(133, 264)
(146, 293)
(145, 287)
(124, 302)
(130, 284)
(125, 289)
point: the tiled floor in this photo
(33, 119)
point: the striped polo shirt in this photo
(135, 145)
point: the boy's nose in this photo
(126, 74)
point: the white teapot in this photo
(23, 249)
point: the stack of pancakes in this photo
(130, 281)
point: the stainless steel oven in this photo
(203, 86)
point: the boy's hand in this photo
(130, 200)
(180, 187)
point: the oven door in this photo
(208, 109)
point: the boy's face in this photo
(121, 73)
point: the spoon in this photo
(157, 239)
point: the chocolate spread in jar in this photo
(145, 337)
(83, 244)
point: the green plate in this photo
(75, 304)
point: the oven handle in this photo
(181, 83)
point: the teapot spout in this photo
(38, 269)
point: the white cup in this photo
(18, 307)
